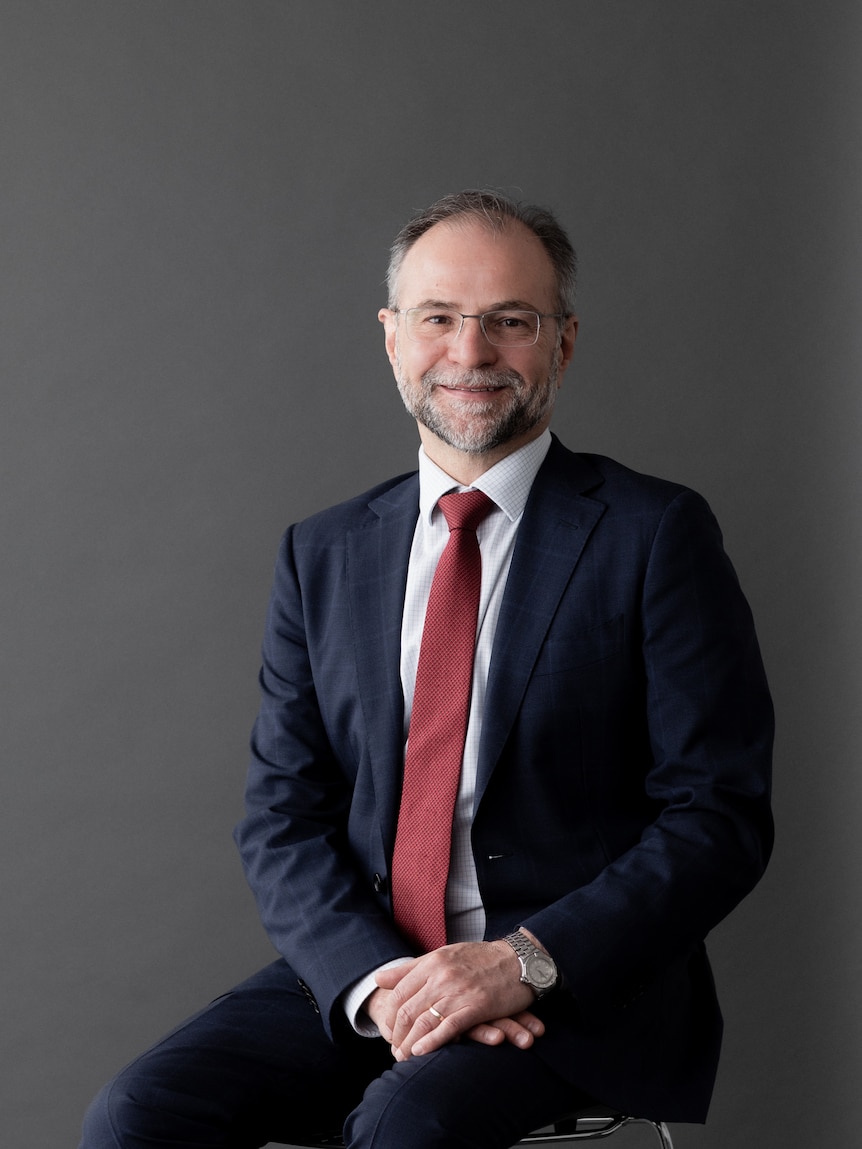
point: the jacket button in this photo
(380, 884)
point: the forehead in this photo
(465, 263)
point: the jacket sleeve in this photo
(315, 899)
(710, 726)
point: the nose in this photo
(471, 348)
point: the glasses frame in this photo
(540, 315)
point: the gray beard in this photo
(484, 426)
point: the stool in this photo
(585, 1125)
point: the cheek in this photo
(533, 369)
(544, 366)
(416, 359)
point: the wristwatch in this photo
(538, 970)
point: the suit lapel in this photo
(378, 552)
(557, 523)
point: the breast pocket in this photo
(581, 648)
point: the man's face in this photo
(470, 394)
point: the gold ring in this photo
(436, 1013)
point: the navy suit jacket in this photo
(622, 804)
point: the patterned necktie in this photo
(438, 725)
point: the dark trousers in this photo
(256, 1066)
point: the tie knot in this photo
(464, 510)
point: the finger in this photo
(389, 978)
(487, 1033)
(380, 1008)
(413, 997)
(496, 1032)
(529, 1021)
(411, 993)
(411, 1019)
(520, 1030)
(429, 1031)
(422, 1039)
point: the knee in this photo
(122, 1115)
(99, 1128)
(393, 1114)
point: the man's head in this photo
(480, 326)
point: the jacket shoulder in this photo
(610, 481)
(402, 490)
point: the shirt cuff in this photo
(354, 998)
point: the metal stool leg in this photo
(661, 1130)
(590, 1127)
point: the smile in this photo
(469, 390)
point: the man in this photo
(610, 729)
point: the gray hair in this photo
(495, 212)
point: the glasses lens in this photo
(505, 328)
(425, 324)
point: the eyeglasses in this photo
(506, 328)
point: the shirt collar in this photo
(507, 483)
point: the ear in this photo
(567, 341)
(389, 320)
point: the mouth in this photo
(472, 387)
(470, 390)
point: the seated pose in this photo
(511, 764)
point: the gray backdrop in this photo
(197, 199)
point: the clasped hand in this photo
(475, 991)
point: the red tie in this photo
(438, 726)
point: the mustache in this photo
(476, 379)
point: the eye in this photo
(442, 319)
(510, 320)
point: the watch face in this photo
(541, 971)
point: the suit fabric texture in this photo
(622, 799)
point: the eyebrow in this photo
(504, 305)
